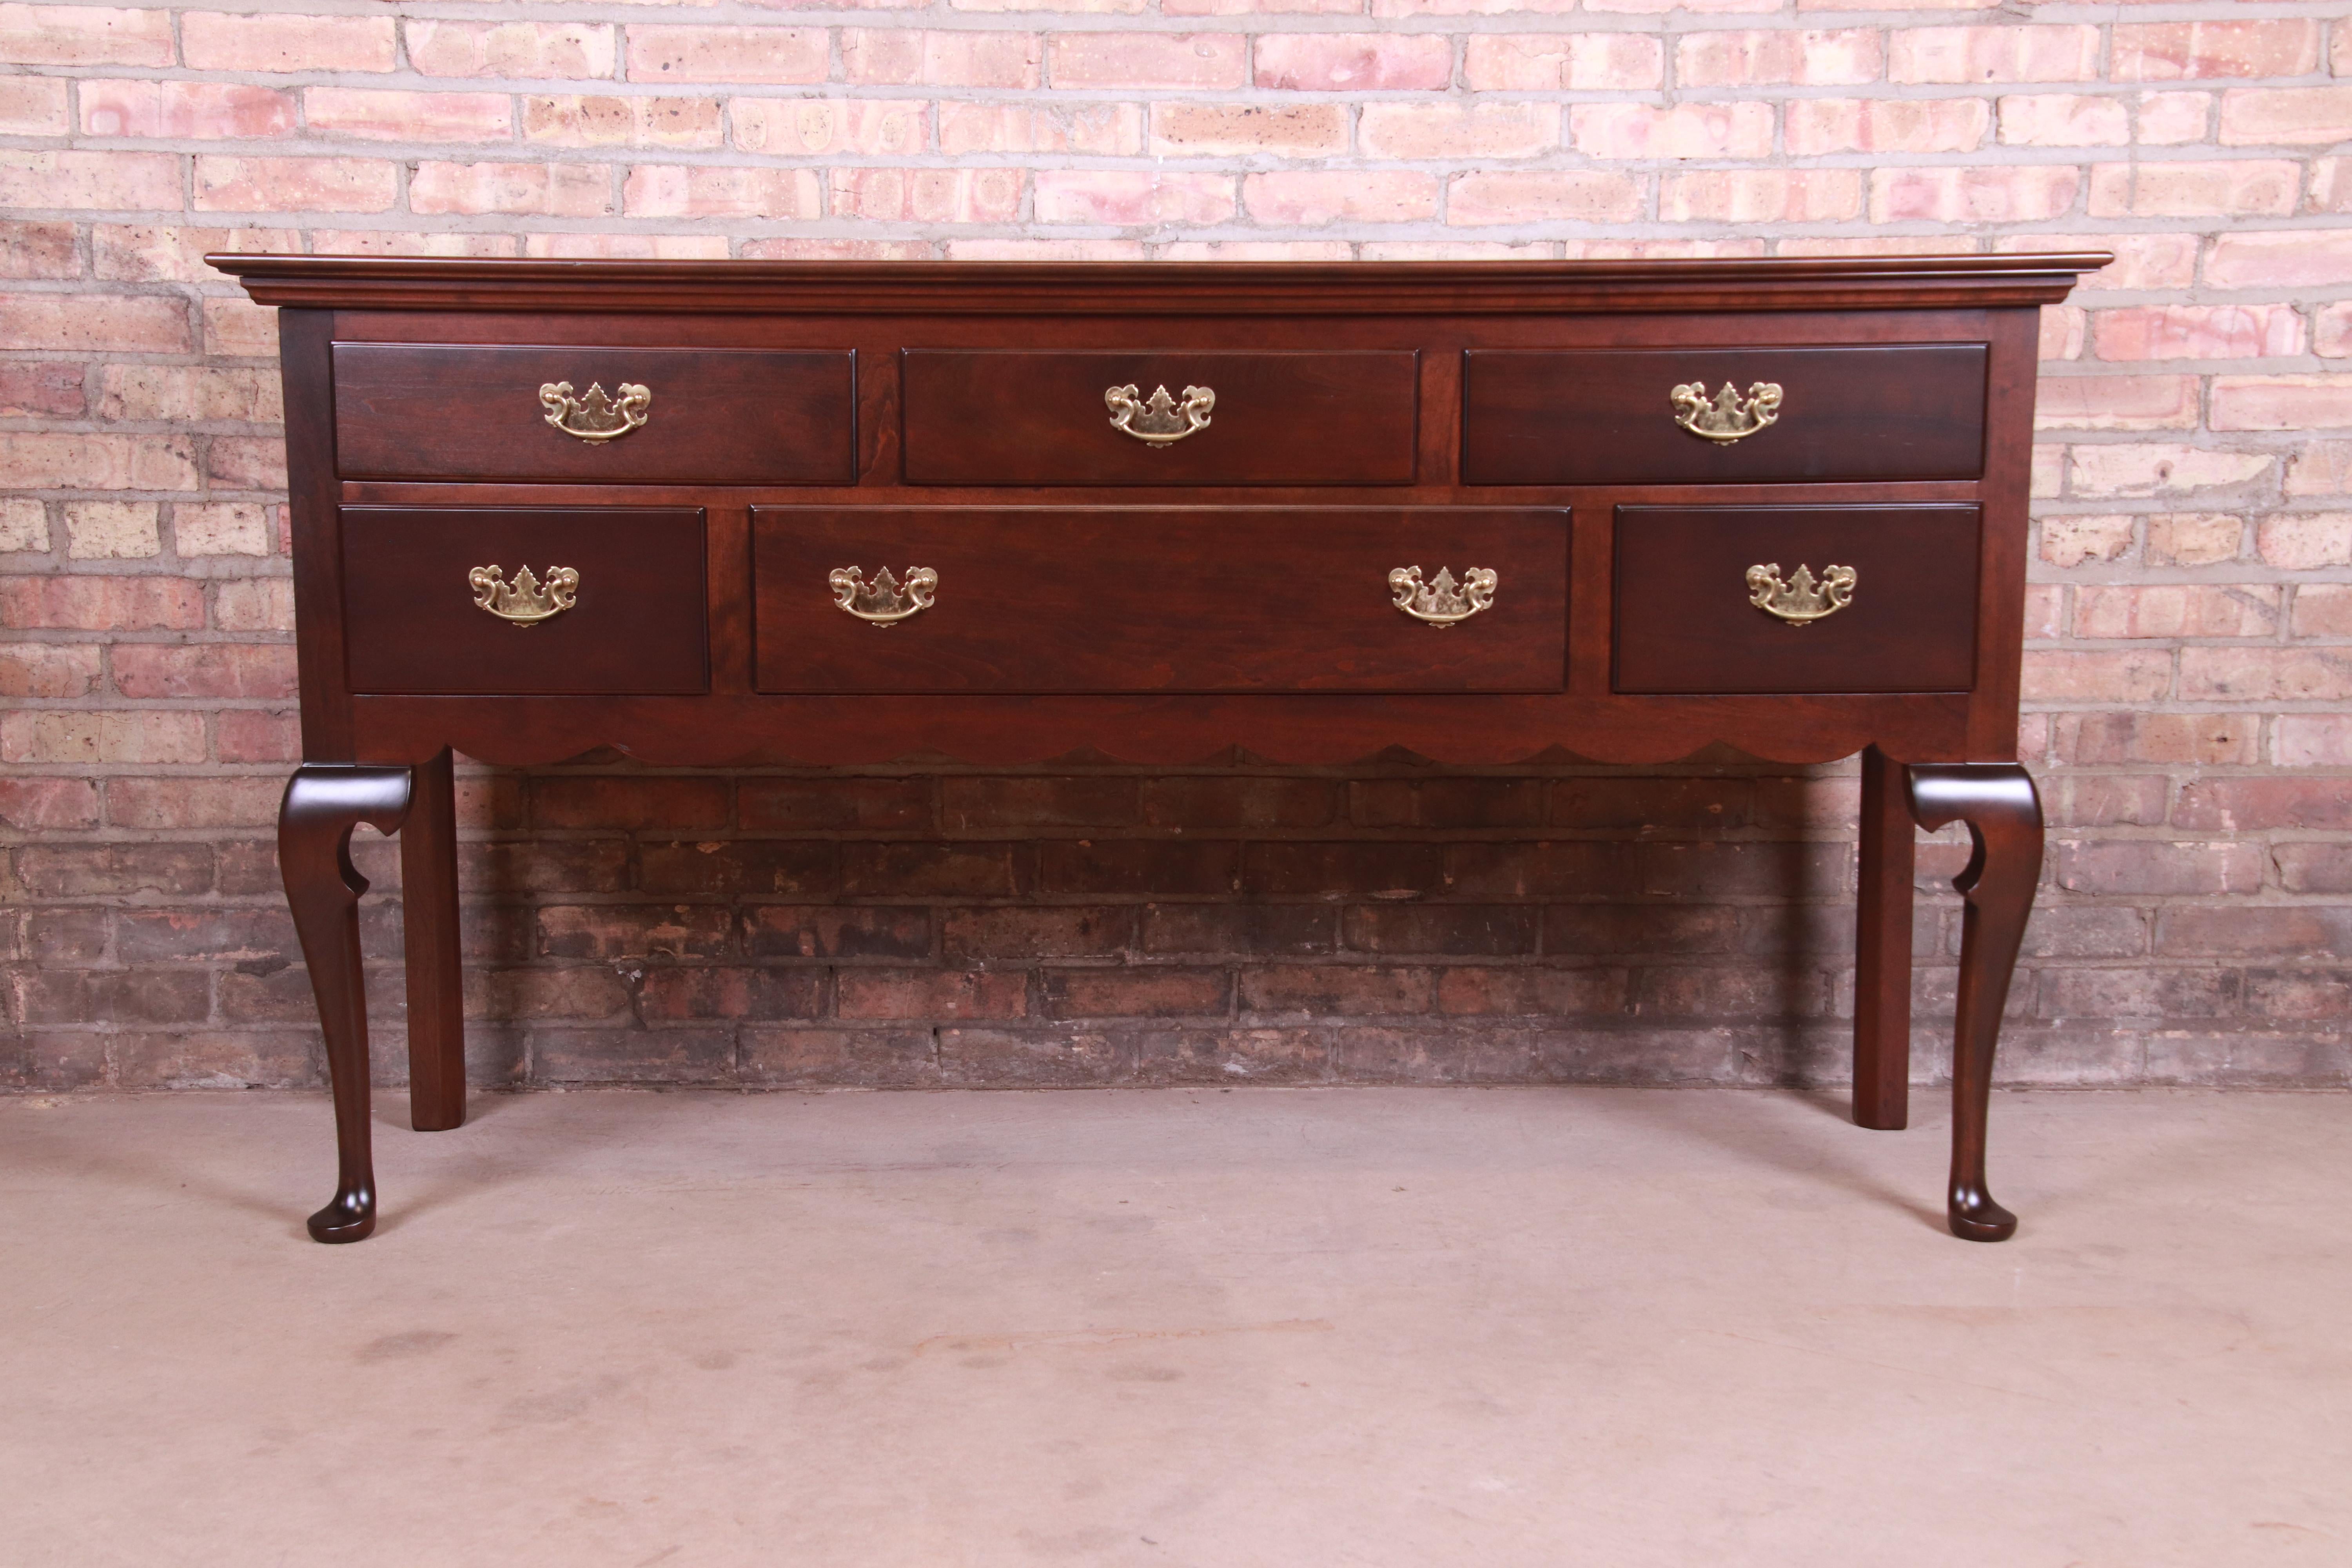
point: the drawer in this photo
(1020, 418)
(1160, 600)
(722, 416)
(1686, 619)
(1913, 411)
(634, 621)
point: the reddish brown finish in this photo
(1229, 627)
(1906, 412)
(1000, 418)
(1160, 599)
(2003, 812)
(1686, 621)
(638, 625)
(439, 411)
(1882, 975)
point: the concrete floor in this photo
(1313, 1329)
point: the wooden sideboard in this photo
(733, 513)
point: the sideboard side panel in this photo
(2014, 335)
(305, 339)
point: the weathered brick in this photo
(111, 182)
(1267, 930)
(2266, 674)
(1818, 125)
(1807, 58)
(226, 183)
(102, 603)
(670, 995)
(837, 932)
(635, 931)
(48, 804)
(2160, 469)
(2019, 193)
(517, 49)
(2177, 610)
(867, 1058)
(1033, 1060)
(1016, 933)
(2219, 187)
(117, 997)
(768, 56)
(1197, 60)
(1112, 129)
(1319, 197)
(2064, 120)
(629, 802)
(787, 127)
(2144, 867)
(1325, 990)
(1142, 991)
(1761, 196)
(513, 189)
(39, 35)
(1448, 930)
(2280, 401)
(196, 111)
(149, 805)
(381, 116)
(2180, 51)
(112, 531)
(2254, 805)
(700, 192)
(783, 869)
(983, 60)
(633, 1056)
(2202, 739)
(1531, 197)
(2197, 331)
(1353, 62)
(37, 389)
(1457, 131)
(942, 994)
(1578, 62)
(929, 196)
(1142, 868)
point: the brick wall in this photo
(2189, 683)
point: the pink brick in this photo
(191, 391)
(34, 106)
(247, 735)
(84, 36)
(2174, 118)
(408, 116)
(2194, 538)
(2177, 610)
(37, 459)
(1656, 7)
(2143, 261)
(2298, 542)
(2072, 541)
(275, 41)
(1258, 251)
(629, 247)
(1392, 9)
(193, 110)
(2266, 674)
(2302, 259)
(101, 323)
(1788, 57)
(2331, 335)
(1045, 250)
(2019, 192)
(1114, 130)
(928, 195)
(2063, 120)
(2117, 402)
(1452, 130)
(254, 605)
(1681, 131)
(1574, 195)
(2241, 188)
(2198, 332)
(409, 242)
(221, 527)
(1262, 7)
(1580, 62)
(2282, 402)
(1239, 130)
(1313, 197)
(224, 184)
(2311, 740)
(2180, 51)
(151, 253)
(52, 804)
(48, 669)
(565, 50)
(245, 463)
(578, 120)
(1761, 196)
(2312, 116)
(2063, 329)
(111, 181)
(2160, 469)
(165, 804)
(807, 127)
(1819, 125)
(768, 55)
(535, 190)
(1354, 62)
(205, 669)
(1132, 198)
(2320, 468)
(2073, 675)
(2323, 610)
(657, 190)
(1200, 61)
(2010, 53)
(2331, 186)
(942, 58)
(138, 736)
(89, 603)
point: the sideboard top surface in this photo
(1145, 288)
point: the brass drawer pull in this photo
(1730, 416)
(594, 417)
(1800, 601)
(883, 601)
(1444, 603)
(524, 602)
(1159, 420)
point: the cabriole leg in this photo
(322, 805)
(2004, 816)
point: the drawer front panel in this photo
(1022, 418)
(440, 410)
(1686, 618)
(1157, 600)
(636, 622)
(1906, 412)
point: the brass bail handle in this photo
(593, 416)
(1441, 601)
(1803, 599)
(526, 601)
(885, 601)
(1159, 420)
(1726, 416)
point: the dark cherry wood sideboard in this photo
(726, 512)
